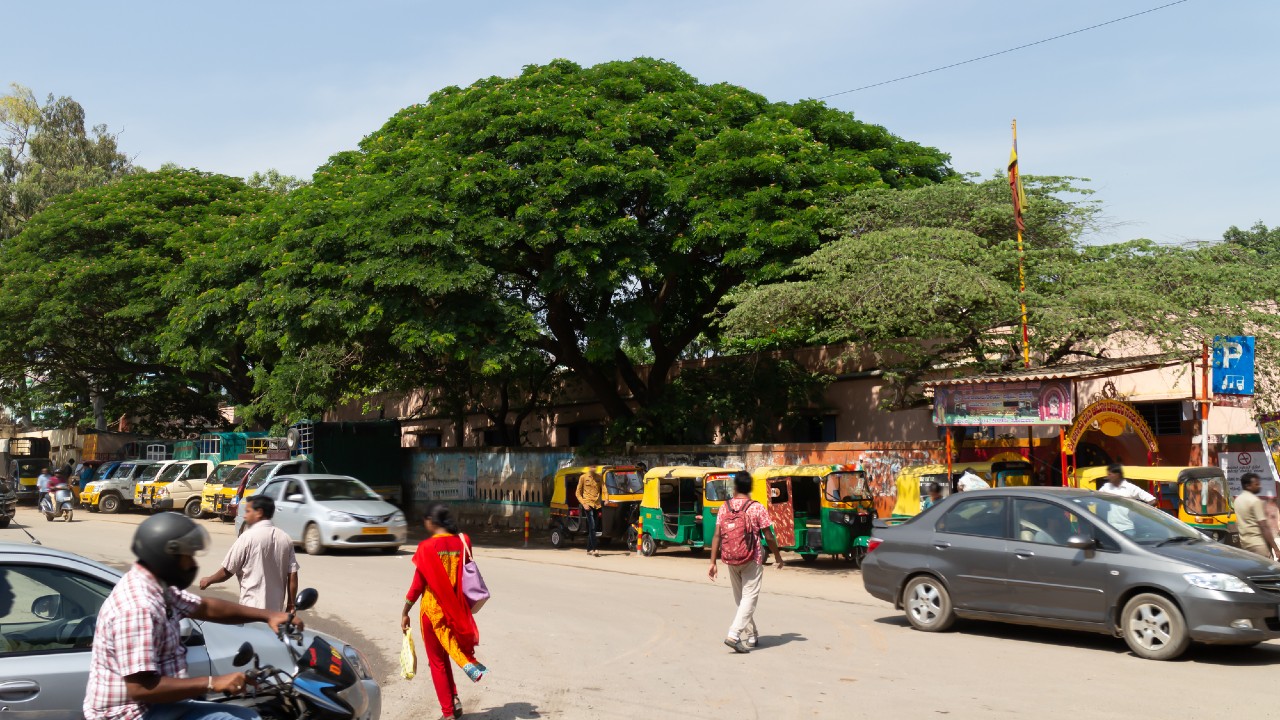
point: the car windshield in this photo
(221, 474)
(259, 475)
(233, 478)
(1137, 521)
(340, 489)
(623, 482)
(171, 473)
(123, 470)
(846, 486)
(149, 473)
(1206, 495)
(103, 472)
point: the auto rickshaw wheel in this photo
(647, 546)
(630, 538)
(557, 538)
(858, 555)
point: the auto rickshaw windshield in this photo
(624, 482)
(1206, 496)
(846, 486)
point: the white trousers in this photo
(745, 580)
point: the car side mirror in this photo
(243, 655)
(295, 498)
(47, 607)
(1080, 542)
(191, 635)
(307, 599)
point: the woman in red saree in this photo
(448, 628)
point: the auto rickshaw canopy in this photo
(653, 481)
(561, 492)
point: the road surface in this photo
(624, 636)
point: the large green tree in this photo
(929, 278)
(577, 212)
(85, 287)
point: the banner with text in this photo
(1008, 403)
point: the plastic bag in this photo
(408, 656)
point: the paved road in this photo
(623, 636)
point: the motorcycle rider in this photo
(139, 666)
(56, 483)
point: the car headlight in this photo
(1218, 581)
(398, 519)
(358, 661)
(335, 516)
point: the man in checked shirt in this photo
(139, 665)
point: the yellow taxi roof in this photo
(235, 462)
(685, 471)
(1159, 473)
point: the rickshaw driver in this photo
(935, 496)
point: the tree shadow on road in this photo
(771, 641)
(1200, 654)
(510, 711)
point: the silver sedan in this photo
(333, 511)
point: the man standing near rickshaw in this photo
(1251, 519)
(737, 541)
(589, 492)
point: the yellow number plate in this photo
(374, 531)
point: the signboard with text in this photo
(1009, 403)
(1233, 365)
(1235, 464)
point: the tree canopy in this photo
(562, 217)
(88, 292)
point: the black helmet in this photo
(162, 538)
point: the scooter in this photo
(60, 505)
(8, 502)
(325, 685)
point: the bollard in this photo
(639, 539)
(526, 528)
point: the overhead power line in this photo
(1004, 52)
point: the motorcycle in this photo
(324, 686)
(61, 504)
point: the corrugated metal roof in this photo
(1075, 371)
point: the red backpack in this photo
(738, 546)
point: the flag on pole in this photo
(1015, 184)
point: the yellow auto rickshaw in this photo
(622, 487)
(680, 504)
(819, 509)
(913, 482)
(1198, 496)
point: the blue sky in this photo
(1171, 115)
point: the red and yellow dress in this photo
(448, 628)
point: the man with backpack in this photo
(739, 524)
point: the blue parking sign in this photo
(1233, 365)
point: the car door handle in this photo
(1023, 554)
(19, 690)
(942, 545)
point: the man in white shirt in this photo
(1117, 485)
(262, 559)
(1118, 517)
(970, 480)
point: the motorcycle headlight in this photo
(358, 662)
(335, 516)
(1218, 581)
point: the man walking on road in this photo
(1251, 519)
(737, 542)
(262, 559)
(589, 492)
(1117, 485)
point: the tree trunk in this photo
(99, 411)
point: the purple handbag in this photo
(473, 587)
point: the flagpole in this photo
(1022, 277)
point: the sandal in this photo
(457, 706)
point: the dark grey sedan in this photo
(1073, 559)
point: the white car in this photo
(332, 511)
(46, 635)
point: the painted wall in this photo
(497, 486)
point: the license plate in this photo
(374, 531)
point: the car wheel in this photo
(928, 604)
(311, 541)
(647, 546)
(192, 509)
(557, 538)
(1154, 627)
(109, 504)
